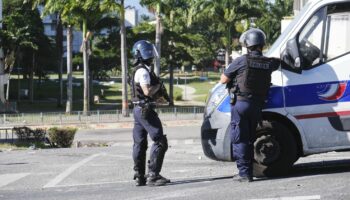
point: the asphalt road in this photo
(106, 173)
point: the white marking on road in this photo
(294, 198)
(195, 179)
(92, 184)
(6, 179)
(180, 171)
(70, 170)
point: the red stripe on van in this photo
(328, 114)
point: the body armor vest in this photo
(255, 80)
(136, 90)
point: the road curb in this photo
(108, 143)
(120, 125)
(131, 124)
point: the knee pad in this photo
(163, 143)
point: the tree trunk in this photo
(158, 39)
(31, 81)
(19, 87)
(171, 85)
(59, 45)
(2, 58)
(86, 69)
(69, 104)
(2, 76)
(228, 45)
(91, 89)
(8, 88)
(171, 68)
(125, 105)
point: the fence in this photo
(95, 117)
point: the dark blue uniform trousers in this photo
(245, 115)
(153, 126)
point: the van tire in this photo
(275, 150)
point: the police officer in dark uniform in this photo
(144, 86)
(248, 80)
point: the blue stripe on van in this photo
(275, 100)
(303, 95)
(311, 94)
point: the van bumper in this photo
(216, 142)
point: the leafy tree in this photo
(63, 9)
(86, 14)
(224, 13)
(58, 41)
(23, 40)
(118, 6)
(168, 14)
(156, 7)
(273, 13)
(106, 51)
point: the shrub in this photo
(25, 133)
(178, 96)
(62, 137)
(39, 134)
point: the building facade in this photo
(50, 23)
(298, 4)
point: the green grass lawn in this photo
(46, 92)
(46, 95)
(204, 86)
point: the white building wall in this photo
(50, 30)
(131, 16)
(298, 4)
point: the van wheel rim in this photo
(267, 149)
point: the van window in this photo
(310, 40)
(337, 31)
(330, 24)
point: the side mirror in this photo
(291, 55)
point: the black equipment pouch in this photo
(233, 96)
(146, 110)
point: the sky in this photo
(137, 5)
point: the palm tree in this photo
(112, 6)
(225, 13)
(62, 9)
(162, 7)
(157, 6)
(273, 13)
(86, 13)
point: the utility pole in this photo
(158, 39)
(3, 76)
(125, 104)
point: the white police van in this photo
(308, 107)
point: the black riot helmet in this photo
(253, 37)
(144, 51)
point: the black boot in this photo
(140, 180)
(156, 180)
(242, 179)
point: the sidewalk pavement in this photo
(116, 134)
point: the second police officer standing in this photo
(248, 79)
(144, 86)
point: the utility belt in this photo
(244, 96)
(144, 103)
(147, 108)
